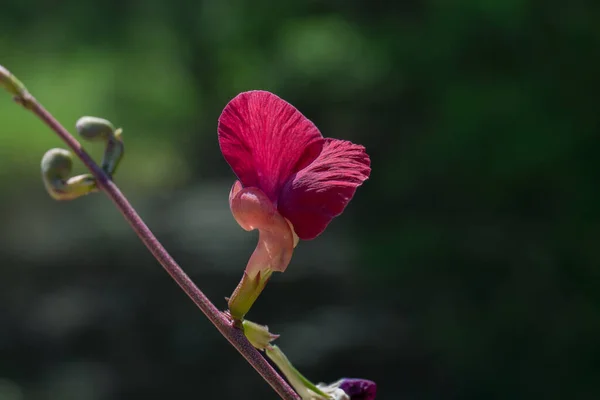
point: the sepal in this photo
(258, 335)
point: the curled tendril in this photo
(56, 168)
(96, 129)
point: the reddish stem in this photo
(220, 320)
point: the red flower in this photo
(286, 171)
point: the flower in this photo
(343, 389)
(359, 389)
(350, 389)
(291, 181)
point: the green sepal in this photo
(258, 335)
(246, 293)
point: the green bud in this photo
(56, 167)
(258, 335)
(94, 128)
(57, 164)
(10, 83)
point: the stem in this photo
(303, 386)
(234, 335)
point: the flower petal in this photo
(321, 191)
(359, 389)
(252, 209)
(265, 140)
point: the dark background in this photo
(467, 267)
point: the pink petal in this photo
(252, 209)
(265, 140)
(321, 191)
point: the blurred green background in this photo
(467, 267)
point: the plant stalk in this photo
(221, 321)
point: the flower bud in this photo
(57, 164)
(56, 167)
(10, 83)
(94, 128)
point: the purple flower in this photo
(350, 389)
(359, 389)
